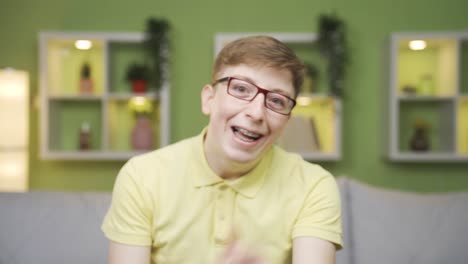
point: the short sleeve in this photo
(320, 215)
(130, 216)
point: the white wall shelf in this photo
(428, 86)
(64, 108)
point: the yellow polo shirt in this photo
(171, 200)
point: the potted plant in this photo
(420, 140)
(86, 83)
(156, 43)
(138, 75)
(333, 46)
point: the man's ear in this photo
(207, 96)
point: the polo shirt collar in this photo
(207, 177)
(247, 185)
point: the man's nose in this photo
(256, 108)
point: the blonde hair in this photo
(261, 51)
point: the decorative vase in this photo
(419, 140)
(142, 134)
(426, 85)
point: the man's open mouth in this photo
(245, 135)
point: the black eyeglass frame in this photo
(261, 90)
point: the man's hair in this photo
(261, 51)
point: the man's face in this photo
(241, 131)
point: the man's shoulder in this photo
(172, 152)
(294, 166)
(167, 160)
(294, 161)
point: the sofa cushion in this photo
(52, 227)
(393, 227)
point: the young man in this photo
(229, 195)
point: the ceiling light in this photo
(83, 44)
(417, 44)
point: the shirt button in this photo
(223, 187)
(221, 217)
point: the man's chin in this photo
(244, 157)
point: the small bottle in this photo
(85, 136)
(86, 83)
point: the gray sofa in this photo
(381, 226)
(395, 227)
(52, 228)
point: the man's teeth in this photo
(248, 133)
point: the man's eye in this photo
(240, 89)
(277, 102)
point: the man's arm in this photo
(313, 250)
(126, 254)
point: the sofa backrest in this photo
(380, 226)
(53, 227)
(397, 227)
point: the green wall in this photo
(194, 24)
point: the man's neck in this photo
(228, 169)
(224, 167)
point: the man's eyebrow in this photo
(275, 90)
(243, 78)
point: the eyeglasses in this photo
(247, 91)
